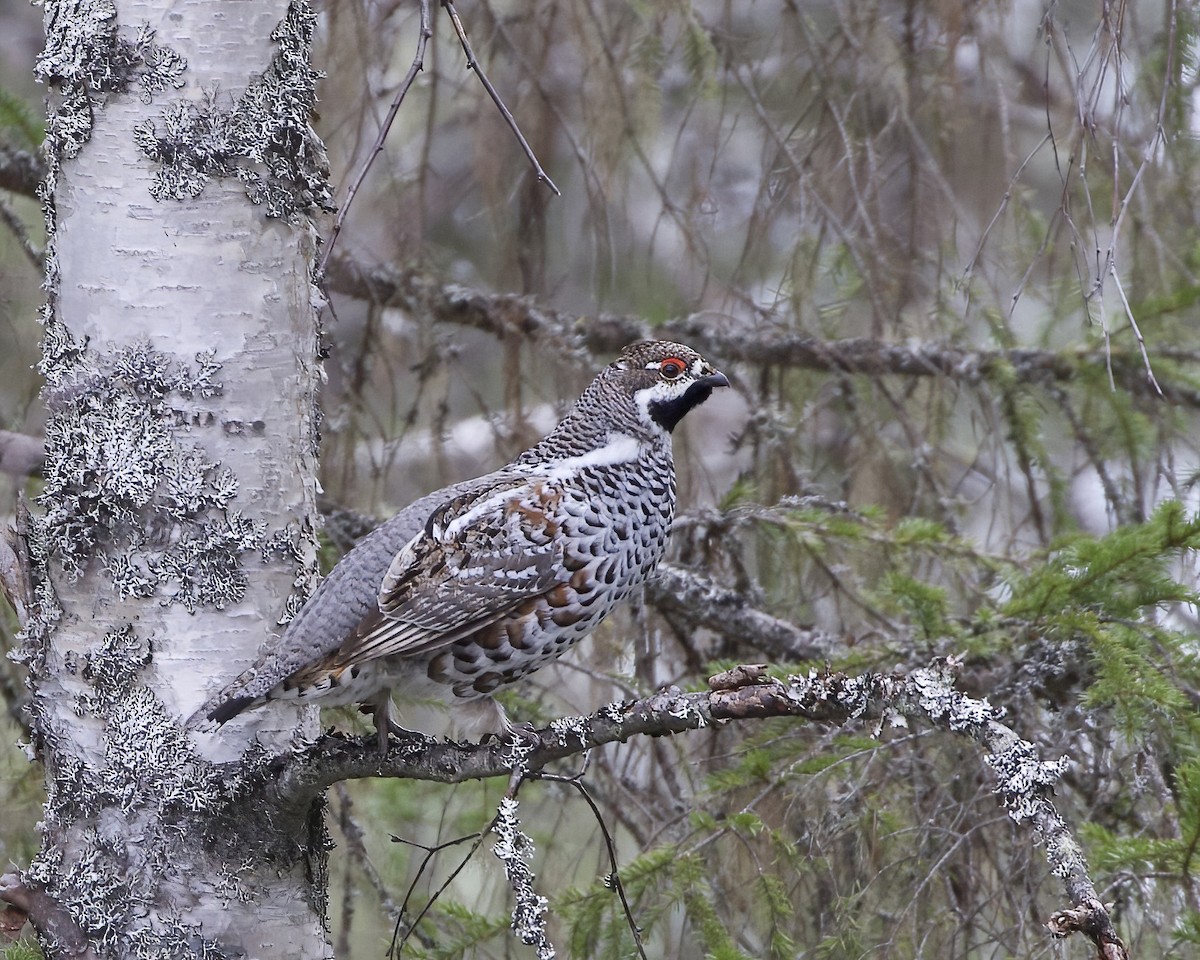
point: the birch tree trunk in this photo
(180, 374)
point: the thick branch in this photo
(697, 601)
(1024, 782)
(504, 314)
(53, 921)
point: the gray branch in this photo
(49, 917)
(506, 314)
(20, 171)
(1024, 782)
(697, 601)
(502, 314)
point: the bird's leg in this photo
(380, 709)
(521, 734)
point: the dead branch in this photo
(16, 226)
(16, 571)
(418, 64)
(697, 601)
(52, 921)
(507, 314)
(1090, 918)
(21, 455)
(20, 171)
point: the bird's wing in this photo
(479, 555)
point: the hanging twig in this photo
(473, 64)
(614, 878)
(418, 65)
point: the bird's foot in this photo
(522, 740)
(387, 728)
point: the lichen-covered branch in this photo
(1024, 783)
(697, 601)
(507, 314)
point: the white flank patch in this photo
(621, 448)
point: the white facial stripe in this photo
(662, 390)
(654, 365)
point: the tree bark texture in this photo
(180, 369)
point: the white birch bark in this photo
(180, 371)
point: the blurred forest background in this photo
(926, 241)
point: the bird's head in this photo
(665, 380)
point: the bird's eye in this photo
(671, 368)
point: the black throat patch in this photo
(668, 413)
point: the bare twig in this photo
(418, 64)
(473, 64)
(353, 834)
(1003, 205)
(398, 942)
(1133, 325)
(17, 226)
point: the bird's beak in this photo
(714, 379)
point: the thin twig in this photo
(417, 66)
(1004, 201)
(430, 852)
(353, 834)
(1159, 138)
(17, 226)
(614, 876)
(1137, 331)
(473, 64)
